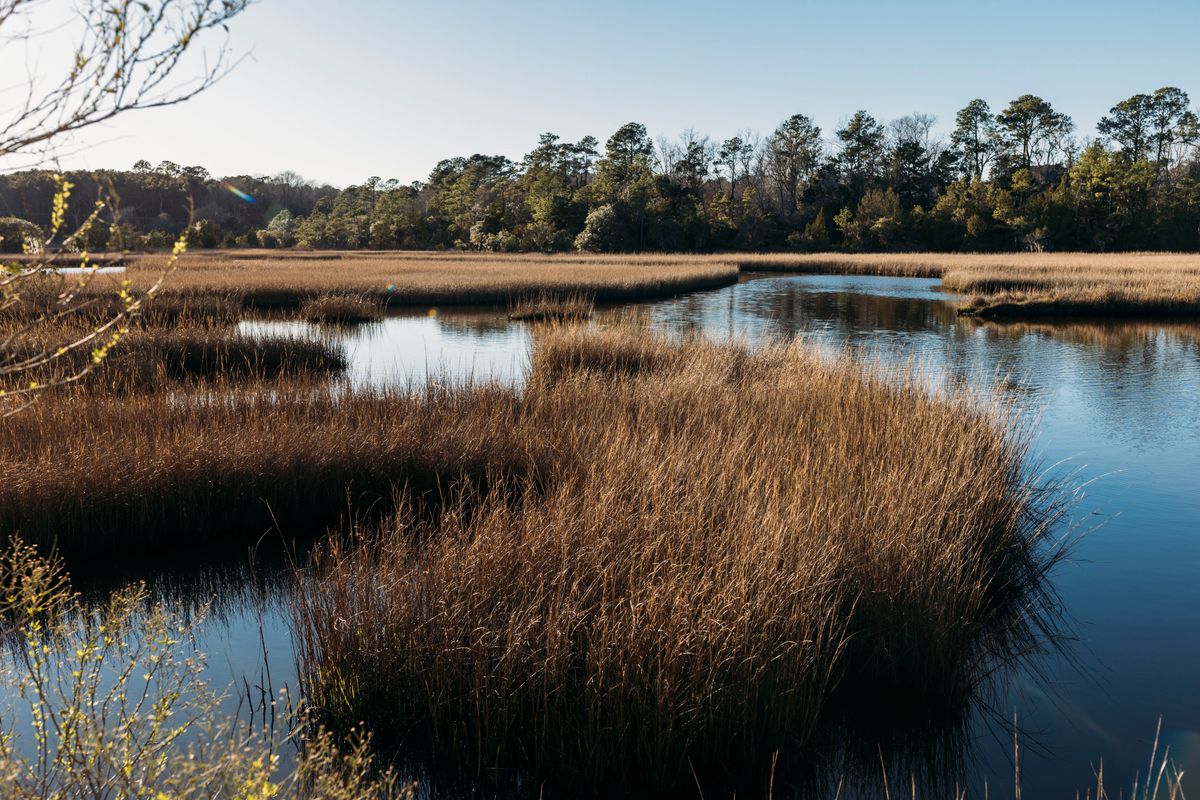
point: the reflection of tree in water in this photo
(793, 311)
(782, 309)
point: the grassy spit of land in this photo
(709, 554)
(269, 279)
(549, 307)
(96, 470)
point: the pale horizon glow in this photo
(391, 88)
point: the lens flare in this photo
(238, 192)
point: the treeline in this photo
(1016, 179)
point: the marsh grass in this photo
(39, 302)
(107, 471)
(287, 280)
(992, 286)
(546, 307)
(341, 309)
(721, 552)
(152, 357)
(915, 265)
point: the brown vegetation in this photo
(266, 279)
(39, 305)
(547, 307)
(716, 552)
(341, 309)
(108, 472)
(151, 357)
(915, 265)
(321, 284)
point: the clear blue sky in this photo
(339, 91)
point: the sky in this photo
(340, 91)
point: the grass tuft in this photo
(341, 309)
(547, 307)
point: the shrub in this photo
(603, 232)
(15, 233)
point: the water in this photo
(1117, 408)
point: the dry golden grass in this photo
(267, 278)
(38, 305)
(1011, 285)
(108, 471)
(342, 309)
(718, 552)
(916, 265)
(552, 308)
(155, 355)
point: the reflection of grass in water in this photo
(1107, 335)
(717, 555)
(228, 579)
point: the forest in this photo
(1020, 178)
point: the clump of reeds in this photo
(341, 309)
(108, 470)
(553, 308)
(719, 552)
(150, 359)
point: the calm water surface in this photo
(1117, 410)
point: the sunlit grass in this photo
(552, 308)
(267, 279)
(718, 552)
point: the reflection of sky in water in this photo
(410, 348)
(1117, 406)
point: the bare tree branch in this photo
(129, 56)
